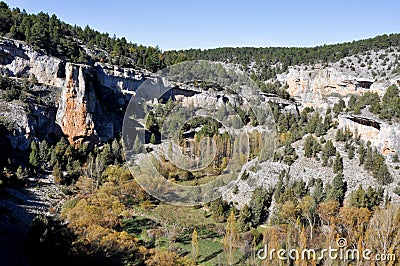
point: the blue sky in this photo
(208, 24)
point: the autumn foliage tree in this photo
(195, 244)
(95, 215)
(383, 233)
(230, 239)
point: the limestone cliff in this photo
(87, 103)
(76, 105)
(28, 123)
(315, 86)
(385, 137)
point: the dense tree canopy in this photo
(64, 40)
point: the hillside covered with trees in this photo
(60, 39)
(104, 217)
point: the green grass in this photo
(185, 218)
(210, 249)
(136, 224)
(198, 181)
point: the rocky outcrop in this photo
(77, 105)
(365, 121)
(117, 78)
(27, 123)
(89, 100)
(313, 85)
(385, 137)
(21, 60)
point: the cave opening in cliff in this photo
(364, 84)
(365, 121)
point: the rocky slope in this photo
(87, 103)
(18, 209)
(382, 135)
(80, 106)
(371, 71)
(320, 87)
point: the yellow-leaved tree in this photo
(230, 238)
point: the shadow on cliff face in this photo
(365, 121)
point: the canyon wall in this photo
(87, 102)
(317, 87)
(385, 137)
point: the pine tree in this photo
(350, 152)
(396, 190)
(325, 159)
(34, 156)
(290, 155)
(308, 147)
(318, 192)
(151, 122)
(38, 34)
(329, 149)
(338, 164)
(60, 149)
(361, 153)
(54, 33)
(339, 135)
(57, 174)
(259, 204)
(53, 157)
(357, 198)
(337, 189)
(320, 130)
(328, 119)
(145, 236)
(107, 155)
(338, 107)
(396, 158)
(219, 208)
(44, 151)
(21, 173)
(116, 150)
(5, 18)
(374, 197)
(244, 220)
(369, 160)
(380, 170)
(137, 145)
(153, 139)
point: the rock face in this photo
(28, 122)
(321, 87)
(313, 85)
(88, 102)
(77, 105)
(385, 138)
(370, 71)
(20, 60)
